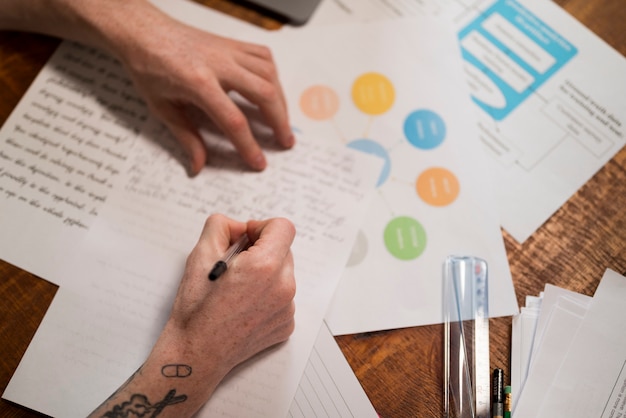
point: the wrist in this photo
(117, 27)
(87, 21)
(111, 25)
(177, 356)
(173, 379)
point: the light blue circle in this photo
(424, 129)
(372, 147)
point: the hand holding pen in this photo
(221, 265)
(253, 296)
(215, 325)
(254, 284)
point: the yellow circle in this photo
(319, 102)
(373, 93)
(437, 186)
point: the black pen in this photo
(497, 391)
(220, 267)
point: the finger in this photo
(218, 233)
(260, 51)
(232, 122)
(267, 94)
(264, 67)
(271, 237)
(214, 240)
(185, 133)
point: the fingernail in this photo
(191, 172)
(193, 167)
(290, 141)
(259, 162)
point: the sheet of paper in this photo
(61, 373)
(297, 187)
(132, 259)
(565, 317)
(322, 189)
(328, 387)
(536, 319)
(523, 330)
(383, 88)
(61, 152)
(340, 11)
(592, 379)
(551, 297)
(548, 94)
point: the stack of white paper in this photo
(568, 353)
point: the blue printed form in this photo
(510, 54)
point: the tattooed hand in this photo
(215, 325)
(249, 308)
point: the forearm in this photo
(173, 382)
(174, 67)
(106, 24)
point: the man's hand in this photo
(250, 307)
(215, 325)
(175, 66)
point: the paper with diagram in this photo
(549, 95)
(382, 89)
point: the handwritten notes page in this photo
(61, 153)
(98, 192)
(316, 186)
(134, 256)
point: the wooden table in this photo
(400, 370)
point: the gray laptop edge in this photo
(295, 12)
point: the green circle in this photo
(405, 238)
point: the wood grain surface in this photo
(400, 370)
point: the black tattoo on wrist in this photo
(121, 388)
(139, 406)
(176, 370)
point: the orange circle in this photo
(437, 186)
(319, 102)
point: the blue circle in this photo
(372, 147)
(424, 129)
